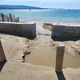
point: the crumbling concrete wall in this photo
(62, 32)
(19, 29)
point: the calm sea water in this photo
(66, 16)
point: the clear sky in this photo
(67, 4)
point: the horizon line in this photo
(41, 7)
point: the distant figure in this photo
(2, 15)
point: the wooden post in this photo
(10, 17)
(2, 55)
(2, 16)
(59, 58)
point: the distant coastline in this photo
(18, 7)
(31, 7)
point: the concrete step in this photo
(25, 71)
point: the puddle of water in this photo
(41, 56)
(71, 61)
(44, 54)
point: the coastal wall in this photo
(19, 29)
(62, 32)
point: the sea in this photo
(45, 15)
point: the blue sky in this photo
(67, 4)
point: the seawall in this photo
(19, 29)
(65, 32)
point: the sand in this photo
(43, 48)
(43, 53)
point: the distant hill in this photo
(18, 7)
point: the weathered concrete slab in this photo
(24, 71)
(12, 50)
(72, 73)
(62, 32)
(14, 71)
(19, 29)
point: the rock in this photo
(48, 26)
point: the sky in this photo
(66, 4)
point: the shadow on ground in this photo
(60, 75)
(2, 65)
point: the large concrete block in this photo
(19, 29)
(62, 32)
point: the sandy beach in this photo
(40, 40)
(43, 54)
(43, 48)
